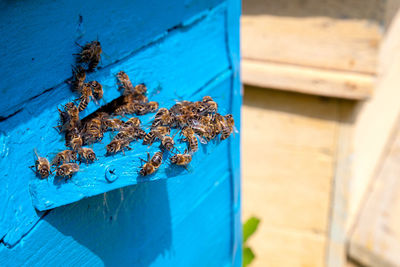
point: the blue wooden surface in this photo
(174, 218)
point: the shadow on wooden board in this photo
(320, 107)
(120, 226)
(343, 9)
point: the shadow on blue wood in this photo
(129, 214)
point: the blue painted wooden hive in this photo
(182, 50)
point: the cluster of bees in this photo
(193, 120)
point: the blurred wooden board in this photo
(347, 45)
(307, 80)
(327, 48)
(376, 237)
(290, 145)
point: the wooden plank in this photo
(289, 150)
(30, 128)
(375, 120)
(336, 40)
(336, 245)
(375, 240)
(43, 56)
(307, 80)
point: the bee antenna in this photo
(36, 153)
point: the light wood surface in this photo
(376, 237)
(321, 42)
(375, 120)
(289, 149)
(307, 80)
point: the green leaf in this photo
(249, 227)
(248, 256)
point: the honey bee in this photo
(86, 95)
(199, 107)
(162, 118)
(130, 134)
(65, 156)
(124, 83)
(141, 109)
(97, 90)
(93, 131)
(141, 89)
(188, 133)
(181, 159)
(69, 117)
(218, 122)
(167, 142)
(227, 127)
(78, 78)
(117, 145)
(212, 106)
(114, 124)
(152, 164)
(175, 109)
(136, 98)
(76, 142)
(158, 132)
(140, 98)
(133, 122)
(152, 106)
(73, 139)
(42, 166)
(90, 54)
(87, 154)
(67, 170)
(132, 108)
(179, 121)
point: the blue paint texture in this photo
(177, 217)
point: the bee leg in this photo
(31, 167)
(79, 46)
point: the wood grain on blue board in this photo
(38, 38)
(176, 217)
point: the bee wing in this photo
(202, 140)
(235, 130)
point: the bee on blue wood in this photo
(162, 118)
(73, 139)
(152, 164)
(67, 170)
(181, 159)
(124, 83)
(190, 138)
(117, 145)
(211, 105)
(90, 54)
(133, 122)
(114, 124)
(97, 90)
(87, 154)
(227, 126)
(69, 117)
(168, 143)
(65, 156)
(42, 166)
(158, 132)
(78, 78)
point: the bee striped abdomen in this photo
(149, 138)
